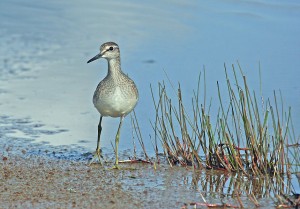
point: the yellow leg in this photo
(117, 143)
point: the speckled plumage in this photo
(116, 95)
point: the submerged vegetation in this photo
(250, 135)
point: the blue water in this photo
(45, 46)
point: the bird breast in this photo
(115, 103)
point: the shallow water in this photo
(45, 81)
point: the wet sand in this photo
(36, 182)
(34, 175)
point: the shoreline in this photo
(36, 175)
(37, 182)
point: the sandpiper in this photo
(115, 96)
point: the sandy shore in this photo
(34, 175)
(37, 175)
(36, 182)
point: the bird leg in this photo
(98, 150)
(117, 144)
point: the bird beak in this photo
(94, 58)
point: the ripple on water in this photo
(22, 51)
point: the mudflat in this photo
(37, 182)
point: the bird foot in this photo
(96, 156)
(114, 167)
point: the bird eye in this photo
(111, 48)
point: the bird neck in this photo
(114, 67)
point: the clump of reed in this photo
(251, 135)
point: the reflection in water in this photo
(217, 187)
(235, 183)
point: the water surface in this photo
(45, 45)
